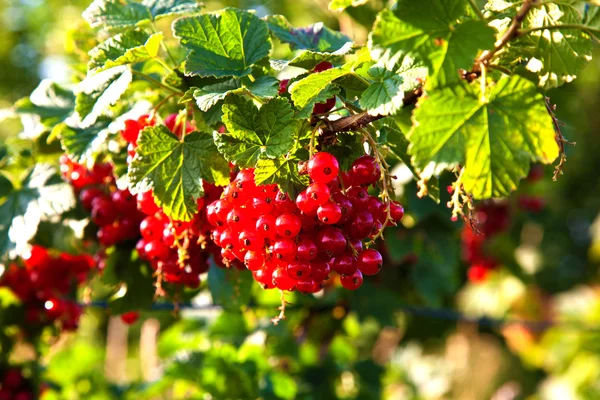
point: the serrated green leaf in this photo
(315, 37)
(42, 195)
(227, 43)
(265, 87)
(229, 287)
(341, 5)
(309, 59)
(252, 134)
(283, 172)
(308, 89)
(209, 95)
(96, 93)
(115, 13)
(554, 56)
(327, 93)
(166, 8)
(129, 47)
(51, 102)
(385, 94)
(83, 144)
(175, 168)
(125, 13)
(434, 37)
(494, 140)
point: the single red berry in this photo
(307, 250)
(13, 379)
(320, 270)
(345, 206)
(283, 85)
(146, 204)
(282, 280)
(229, 239)
(123, 201)
(103, 212)
(288, 225)
(283, 203)
(323, 108)
(36, 258)
(329, 213)
(152, 227)
(285, 249)
(131, 131)
(365, 171)
(352, 282)
(323, 167)
(344, 264)
(318, 193)
(264, 277)
(369, 262)
(250, 240)
(361, 225)
(396, 211)
(24, 395)
(305, 204)
(156, 250)
(358, 196)
(108, 235)
(260, 206)
(308, 286)
(477, 273)
(299, 270)
(331, 242)
(254, 260)
(266, 226)
(130, 317)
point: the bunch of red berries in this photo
(80, 176)
(44, 284)
(492, 218)
(14, 385)
(178, 250)
(296, 244)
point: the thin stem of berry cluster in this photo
(281, 309)
(459, 198)
(560, 140)
(386, 182)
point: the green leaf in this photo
(434, 37)
(129, 47)
(385, 94)
(51, 102)
(166, 8)
(227, 43)
(315, 37)
(265, 87)
(283, 172)
(175, 168)
(554, 56)
(308, 89)
(6, 186)
(229, 287)
(309, 59)
(125, 13)
(492, 138)
(42, 195)
(341, 5)
(98, 92)
(266, 133)
(115, 14)
(83, 144)
(210, 95)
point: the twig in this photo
(560, 140)
(511, 33)
(281, 309)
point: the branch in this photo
(362, 119)
(511, 33)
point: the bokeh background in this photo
(369, 344)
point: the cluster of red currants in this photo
(492, 218)
(178, 249)
(44, 284)
(14, 385)
(297, 244)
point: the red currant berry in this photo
(284, 249)
(322, 66)
(282, 280)
(152, 228)
(329, 213)
(320, 270)
(323, 108)
(264, 277)
(103, 212)
(307, 250)
(323, 167)
(344, 264)
(305, 204)
(318, 193)
(365, 171)
(146, 204)
(283, 85)
(266, 226)
(254, 260)
(361, 225)
(369, 262)
(288, 225)
(108, 235)
(308, 286)
(156, 251)
(352, 282)
(130, 317)
(299, 270)
(88, 195)
(396, 211)
(250, 240)
(123, 201)
(359, 197)
(331, 241)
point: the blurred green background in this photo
(361, 345)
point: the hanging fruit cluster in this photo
(295, 245)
